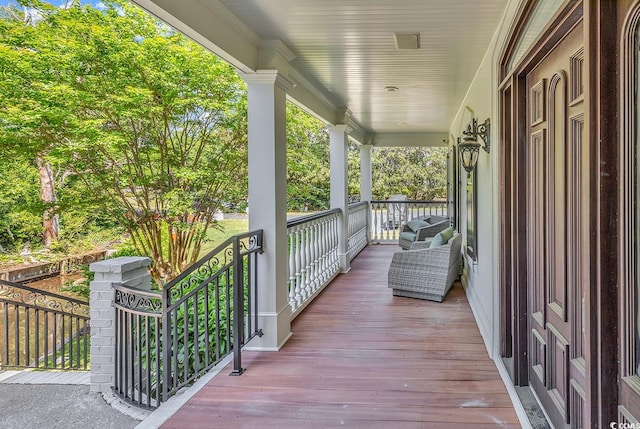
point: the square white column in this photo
(339, 150)
(365, 173)
(267, 92)
(366, 178)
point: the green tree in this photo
(151, 124)
(35, 115)
(19, 203)
(420, 173)
(308, 182)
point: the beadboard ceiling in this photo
(346, 50)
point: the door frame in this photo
(628, 404)
(600, 279)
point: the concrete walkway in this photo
(60, 400)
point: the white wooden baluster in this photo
(316, 261)
(376, 235)
(303, 261)
(311, 257)
(314, 251)
(299, 276)
(386, 230)
(325, 250)
(336, 261)
(292, 270)
(308, 264)
(309, 285)
(320, 278)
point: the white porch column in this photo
(267, 91)
(338, 137)
(366, 194)
(365, 173)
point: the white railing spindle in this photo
(313, 263)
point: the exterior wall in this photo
(480, 278)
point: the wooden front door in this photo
(555, 224)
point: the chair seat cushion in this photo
(408, 235)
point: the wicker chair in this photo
(434, 225)
(427, 273)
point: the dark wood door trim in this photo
(601, 125)
(628, 209)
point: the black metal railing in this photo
(166, 340)
(42, 329)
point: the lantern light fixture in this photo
(468, 145)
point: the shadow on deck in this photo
(360, 357)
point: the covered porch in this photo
(360, 357)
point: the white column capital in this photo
(274, 54)
(343, 116)
(341, 128)
(267, 77)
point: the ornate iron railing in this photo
(313, 256)
(166, 340)
(42, 329)
(358, 218)
(138, 353)
(387, 217)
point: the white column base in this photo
(276, 329)
(345, 265)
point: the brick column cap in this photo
(120, 265)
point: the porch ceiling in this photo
(345, 54)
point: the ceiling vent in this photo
(407, 40)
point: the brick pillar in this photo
(131, 271)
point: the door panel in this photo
(555, 224)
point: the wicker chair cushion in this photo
(408, 235)
(415, 224)
(438, 240)
(447, 234)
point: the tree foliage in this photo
(147, 122)
(420, 173)
(139, 127)
(308, 182)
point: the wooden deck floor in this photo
(360, 357)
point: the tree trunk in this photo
(48, 197)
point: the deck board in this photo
(360, 357)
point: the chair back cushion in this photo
(438, 240)
(416, 224)
(447, 234)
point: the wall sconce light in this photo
(469, 148)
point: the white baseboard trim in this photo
(511, 390)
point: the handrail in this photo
(309, 218)
(219, 249)
(41, 292)
(407, 202)
(42, 329)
